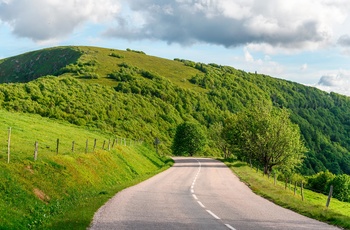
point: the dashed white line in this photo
(230, 227)
(201, 204)
(211, 213)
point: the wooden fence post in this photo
(285, 186)
(36, 146)
(109, 144)
(301, 191)
(295, 187)
(329, 196)
(103, 146)
(87, 146)
(113, 143)
(58, 144)
(9, 145)
(73, 143)
(95, 144)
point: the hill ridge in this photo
(147, 97)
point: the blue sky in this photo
(305, 41)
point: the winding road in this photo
(196, 193)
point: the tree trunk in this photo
(266, 169)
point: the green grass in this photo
(314, 204)
(26, 129)
(31, 65)
(175, 71)
(63, 191)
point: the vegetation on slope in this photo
(64, 190)
(313, 205)
(147, 97)
(32, 65)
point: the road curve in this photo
(196, 193)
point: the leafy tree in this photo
(266, 135)
(216, 136)
(341, 184)
(320, 182)
(189, 139)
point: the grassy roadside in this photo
(314, 204)
(63, 191)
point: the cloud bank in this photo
(297, 24)
(339, 83)
(43, 20)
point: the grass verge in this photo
(314, 204)
(63, 191)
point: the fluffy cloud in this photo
(42, 20)
(295, 24)
(344, 40)
(339, 83)
(266, 25)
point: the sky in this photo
(304, 41)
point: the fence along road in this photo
(196, 193)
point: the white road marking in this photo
(200, 203)
(230, 227)
(211, 213)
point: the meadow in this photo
(313, 205)
(67, 188)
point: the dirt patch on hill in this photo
(41, 195)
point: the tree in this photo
(189, 139)
(215, 134)
(341, 185)
(265, 134)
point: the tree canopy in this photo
(189, 139)
(266, 135)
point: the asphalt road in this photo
(196, 193)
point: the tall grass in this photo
(62, 191)
(314, 204)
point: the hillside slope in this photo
(63, 190)
(145, 97)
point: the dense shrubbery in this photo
(321, 116)
(189, 139)
(322, 181)
(145, 104)
(32, 65)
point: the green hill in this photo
(63, 190)
(144, 97)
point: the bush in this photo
(189, 139)
(320, 182)
(341, 187)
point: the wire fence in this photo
(63, 146)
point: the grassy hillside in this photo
(62, 189)
(32, 65)
(144, 97)
(313, 205)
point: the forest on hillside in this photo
(143, 103)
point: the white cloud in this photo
(303, 67)
(273, 24)
(47, 20)
(339, 82)
(263, 65)
(247, 56)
